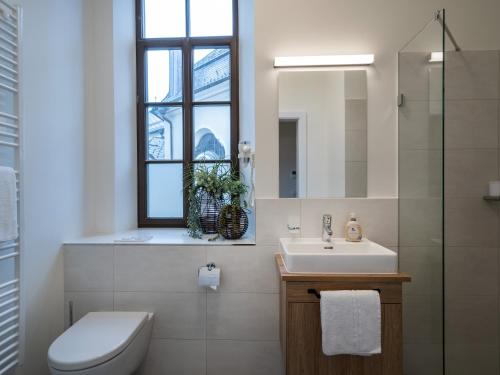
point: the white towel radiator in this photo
(11, 316)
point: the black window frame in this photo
(186, 45)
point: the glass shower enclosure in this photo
(448, 149)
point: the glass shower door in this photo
(420, 132)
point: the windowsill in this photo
(166, 236)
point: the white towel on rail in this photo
(8, 204)
(351, 322)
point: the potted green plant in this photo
(233, 219)
(212, 187)
(206, 194)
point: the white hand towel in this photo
(351, 322)
(8, 204)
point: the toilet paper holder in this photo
(211, 266)
(209, 276)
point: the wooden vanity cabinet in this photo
(300, 323)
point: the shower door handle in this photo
(401, 100)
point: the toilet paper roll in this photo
(209, 277)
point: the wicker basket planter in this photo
(210, 206)
(232, 222)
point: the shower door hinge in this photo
(401, 100)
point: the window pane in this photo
(164, 133)
(164, 18)
(164, 75)
(165, 195)
(212, 132)
(211, 74)
(223, 167)
(211, 18)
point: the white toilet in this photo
(102, 343)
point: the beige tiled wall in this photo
(472, 224)
(233, 330)
(356, 134)
(420, 213)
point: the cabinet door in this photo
(304, 349)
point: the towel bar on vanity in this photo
(316, 293)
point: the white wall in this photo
(353, 26)
(100, 119)
(53, 90)
(111, 116)
(125, 114)
(340, 26)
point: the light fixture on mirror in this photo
(321, 61)
(436, 57)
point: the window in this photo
(187, 99)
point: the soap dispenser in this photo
(353, 230)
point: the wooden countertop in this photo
(362, 277)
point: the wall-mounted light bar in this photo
(436, 57)
(319, 61)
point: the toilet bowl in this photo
(102, 343)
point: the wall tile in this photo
(471, 124)
(242, 316)
(463, 358)
(88, 268)
(243, 358)
(472, 319)
(355, 84)
(468, 172)
(377, 216)
(471, 271)
(85, 302)
(158, 268)
(272, 218)
(420, 128)
(420, 173)
(424, 264)
(177, 315)
(355, 145)
(422, 318)
(420, 222)
(423, 359)
(472, 75)
(246, 268)
(356, 179)
(176, 357)
(355, 114)
(471, 222)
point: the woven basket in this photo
(210, 206)
(233, 222)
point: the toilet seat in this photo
(95, 339)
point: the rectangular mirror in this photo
(322, 134)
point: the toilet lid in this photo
(95, 339)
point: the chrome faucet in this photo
(327, 232)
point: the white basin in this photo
(338, 256)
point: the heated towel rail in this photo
(10, 155)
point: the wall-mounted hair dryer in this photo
(247, 157)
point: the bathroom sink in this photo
(338, 256)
